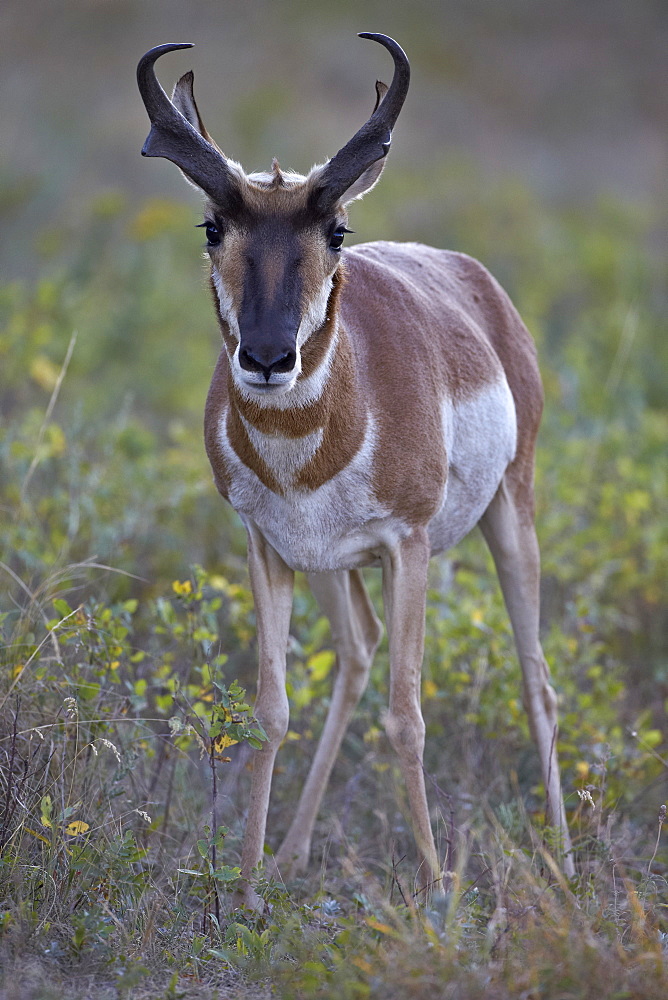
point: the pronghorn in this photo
(369, 407)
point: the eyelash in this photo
(338, 235)
(213, 235)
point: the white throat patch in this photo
(285, 457)
(316, 314)
(225, 303)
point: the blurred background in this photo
(534, 137)
(566, 97)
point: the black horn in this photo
(173, 137)
(372, 141)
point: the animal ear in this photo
(183, 99)
(367, 180)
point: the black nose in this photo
(263, 362)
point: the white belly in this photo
(480, 442)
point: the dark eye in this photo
(212, 234)
(336, 239)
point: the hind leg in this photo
(356, 633)
(510, 533)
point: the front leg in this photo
(405, 597)
(356, 633)
(272, 584)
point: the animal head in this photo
(273, 239)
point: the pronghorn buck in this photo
(370, 406)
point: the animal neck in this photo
(313, 431)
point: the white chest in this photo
(342, 524)
(339, 525)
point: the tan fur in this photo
(240, 441)
(413, 416)
(460, 325)
(214, 411)
(447, 311)
(230, 264)
(315, 348)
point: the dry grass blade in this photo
(49, 411)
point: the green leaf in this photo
(320, 664)
(228, 873)
(62, 607)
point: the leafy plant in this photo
(124, 741)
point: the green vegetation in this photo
(128, 640)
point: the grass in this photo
(126, 617)
(109, 887)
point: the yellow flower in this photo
(182, 589)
